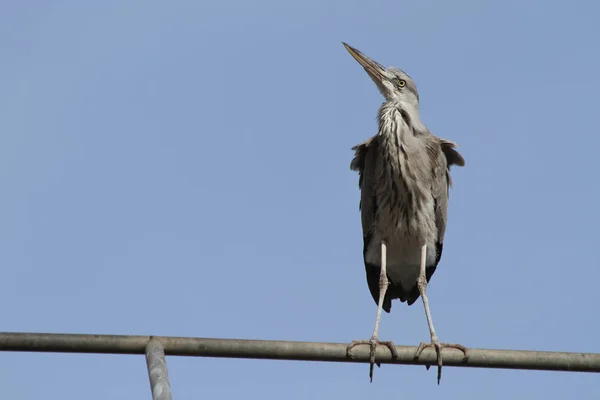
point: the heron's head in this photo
(393, 83)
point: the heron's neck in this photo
(401, 118)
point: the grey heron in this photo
(404, 179)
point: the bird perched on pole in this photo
(404, 178)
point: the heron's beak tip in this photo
(354, 52)
(373, 69)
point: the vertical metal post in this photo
(157, 371)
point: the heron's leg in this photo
(422, 285)
(383, 286)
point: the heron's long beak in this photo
(373, 68)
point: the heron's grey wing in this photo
(443, 155)
(364, 163)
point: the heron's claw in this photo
(438, 349)
(373, 346)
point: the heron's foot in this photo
(438, 349)
(373, 345)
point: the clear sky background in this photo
(182, 168)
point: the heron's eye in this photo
(401, 83)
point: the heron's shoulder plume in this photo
(452, 155)
(360, 152)
(360, 157)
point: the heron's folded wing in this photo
(364, 162)
(441, 180)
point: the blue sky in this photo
(182, 168)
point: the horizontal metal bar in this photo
(305, 351)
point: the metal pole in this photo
(157, 370)
(306, 351)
